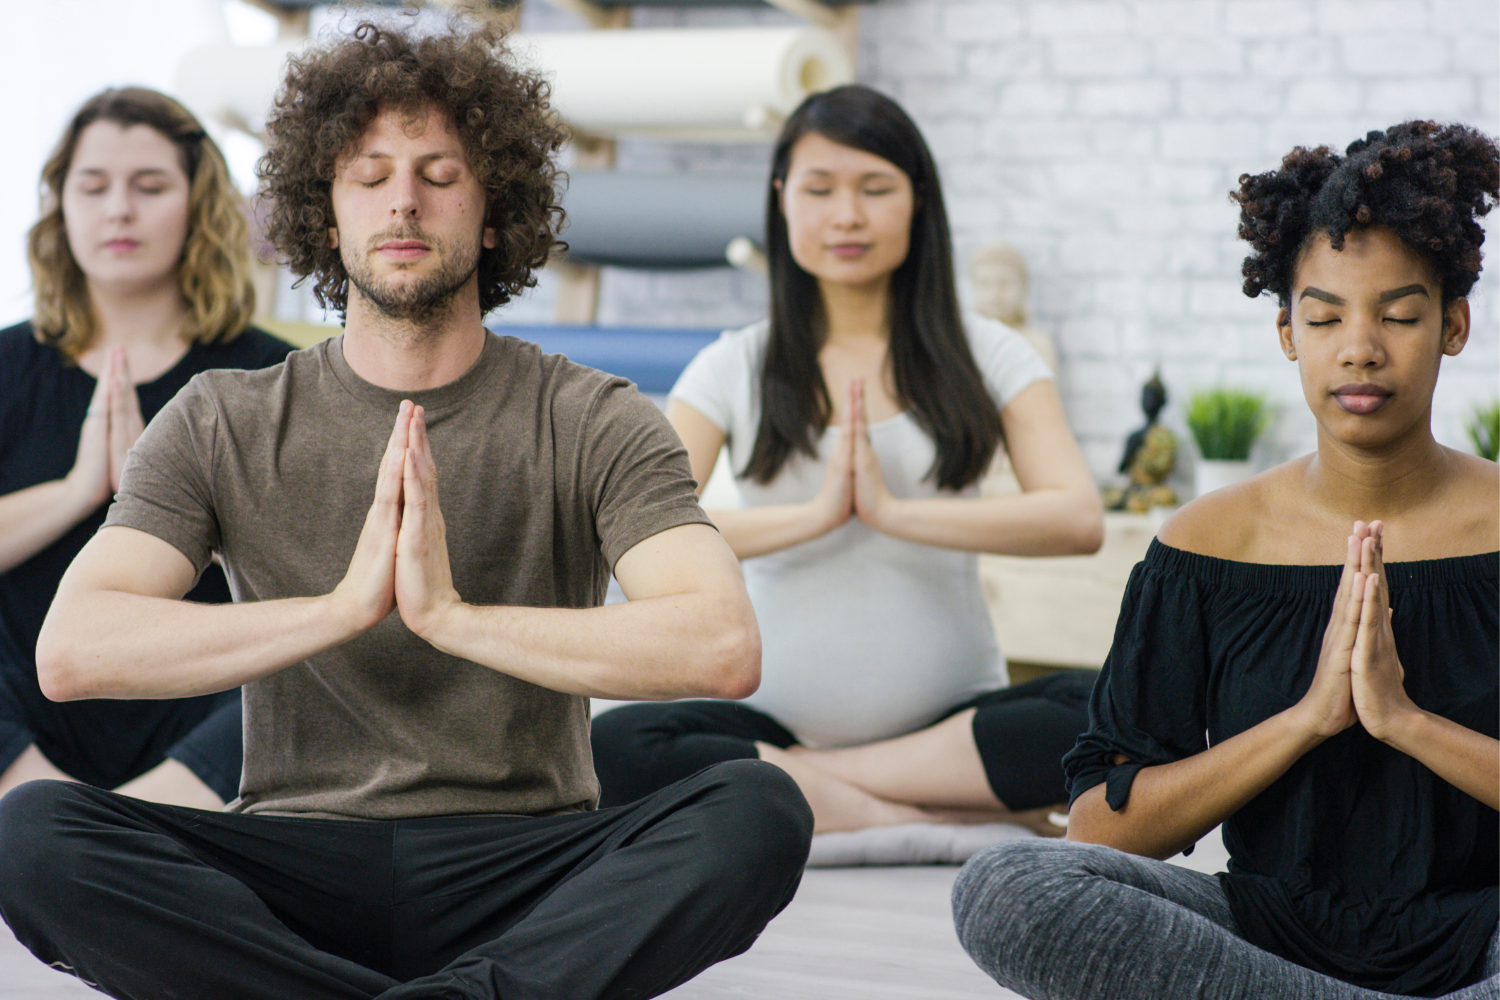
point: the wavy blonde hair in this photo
(214, 273)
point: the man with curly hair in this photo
(416, 817)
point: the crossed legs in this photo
(153, 901)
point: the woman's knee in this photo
(1005, 898)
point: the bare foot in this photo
(172, 783)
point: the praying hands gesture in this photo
(33, 518)
(1360, 679)
(853, 485)
(111, 425)
(401, 559)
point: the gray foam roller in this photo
(660, 220)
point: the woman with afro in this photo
(1333, 703)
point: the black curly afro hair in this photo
(1428, 183)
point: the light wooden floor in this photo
(851, 934)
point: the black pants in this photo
(153, 902)
(1021, 733)
(107, 742)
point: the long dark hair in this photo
(937, 378)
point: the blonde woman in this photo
(141, 268)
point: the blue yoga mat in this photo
(651, 357)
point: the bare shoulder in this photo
(1473, 502)
(1229, 523)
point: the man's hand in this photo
(368, 591)
(424, 579)
(1376, 674)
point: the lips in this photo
(403, 249)
(849, 249)
(1362, 397)
(122, 245)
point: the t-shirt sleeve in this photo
(635, 471)
(165, 487)
(712, 380)
(1148, 706)
(1008, 363)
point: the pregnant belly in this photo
(842, 669)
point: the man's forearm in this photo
(678, 646)
(109, 644)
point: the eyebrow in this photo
(1395, 293)
(447, 154)
(1403, 292)
(139, 173)
(866, 176)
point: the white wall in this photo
(1102, 137)
(1099, 135)
(60, 53)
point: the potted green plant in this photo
(1484, 430)
(1225, 423)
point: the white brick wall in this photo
(1102, 137)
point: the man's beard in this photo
(426, 300)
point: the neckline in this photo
(1412, 573)
(433, 400)
(192, 350)
(877, 425)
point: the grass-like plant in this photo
(1484, 430)
(1226, 422)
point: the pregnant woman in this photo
(859, 420)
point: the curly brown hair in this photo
(214, 273)
(501, 114)
(1428, 183)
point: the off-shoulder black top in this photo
(1359, 862)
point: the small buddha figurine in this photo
(1149, 458)
(998, 277)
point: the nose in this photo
(849, 211)
(405, 201)
(119, 203)
(1361, 345)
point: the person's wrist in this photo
(1400, 729)
(885, 514)
(1306, 723)
(81, 494)
(442, 621)
(819, 518)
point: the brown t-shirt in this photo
(549, 472)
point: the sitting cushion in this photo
(909, 844)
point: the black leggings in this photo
(106, 742)
(1021, 733)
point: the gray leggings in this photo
(1028, 910)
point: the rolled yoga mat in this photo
(652, 358)
(660, 220)
(722, 83)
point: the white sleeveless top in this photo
(863, 636)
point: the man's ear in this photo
(489, 239)
(1455, 326)
(1284, 334)
(333, 237)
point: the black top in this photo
(42, 405)
(1358, 862)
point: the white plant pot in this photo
(1214, 474)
